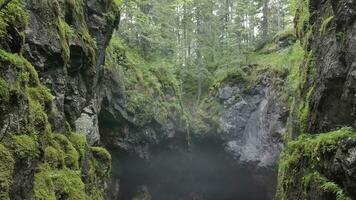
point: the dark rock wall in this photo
(333, 102)
(51, 60)
(253, 125)
(322, 166)
(72, 78)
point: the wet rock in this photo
(87, 124)
(253, 123)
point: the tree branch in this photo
(4, 4)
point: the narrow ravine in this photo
(177, 99)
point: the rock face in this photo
(51, 59)
(71, 71)
(253, 123)
(333, 46)
(327, 102)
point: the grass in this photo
(279, 63)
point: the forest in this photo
(177, 99)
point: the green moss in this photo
(71, 155)
(38, 120)
(4, 90)
(53, 184)
(43, 185)
(302, 18)
(79, 142)
(304, 111)
(304, 155)
(25, 146)
(289, 32)
(101, 154)
(59, 174)
(114, 12)
(341, 36)
(99, 170)
(22, 65)
(65, 32)
(88, 42)
(118, 3)
(324, 185)
(6, 169)
(54, 157)
(68, 183)
(325, 25)
(101, 162)
(279, 64)
(146, 83)
(41, 94)
(13, 15)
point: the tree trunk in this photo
(265, 19)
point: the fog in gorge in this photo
(202, 172)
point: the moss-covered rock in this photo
(71, 155)
(6, 169)
(13, 20)
(305, 161)
(25, 147)
(58, 184)
(55, 160)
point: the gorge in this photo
(177, 100)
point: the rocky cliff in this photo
(253, 120)
(51, 60)
(146, 127)
(320, 163)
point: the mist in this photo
(202, 172)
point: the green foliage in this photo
(325, 25)
(13, 15)
(4, 90)
(78, 31)
(283, 62)
(302, 17)
(26, 72)
(54, 157)
(59, 173)
(101, 161)
(52, 184)
(25, 147)
(146, 82)
(6, 169)
(281, 35)
(79, 142)
(341, 36)
(99, 170)
(304, 154)
(327, 186)
(71, 155)
(41, 94)
(304, 110)
(65, 33)
(228, 75)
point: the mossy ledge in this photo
(302, 164)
